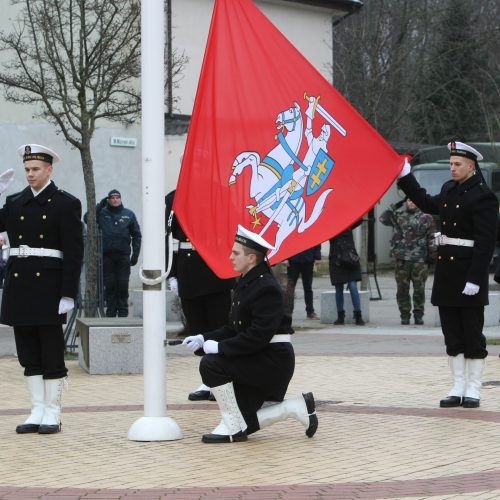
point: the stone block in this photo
(329, 307)
(114, 345)
(110, 345)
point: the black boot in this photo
(340, 319)
(358, 318)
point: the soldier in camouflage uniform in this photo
(413, 248)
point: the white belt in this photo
(186, 245)
(441, 239)
(280, 338)
(26, 251)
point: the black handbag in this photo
(347, 255)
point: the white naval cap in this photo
(252, 240)
(37, 152)
(461, 149)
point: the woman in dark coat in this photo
(345, 269)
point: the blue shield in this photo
(320, 170)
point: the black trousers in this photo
(463, 331)
(116, 275)
(206, 312)
(40, 350)
(294, 270)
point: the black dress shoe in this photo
(451, 402)
(471, 403)
(405, 321)
(49, 429)
(27, 428)
(419, 321)
(199, 396)
(311, 410)
(221, 438)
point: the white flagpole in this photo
(154, 425)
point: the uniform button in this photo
(41, 236)
(38, 274)
(20, 237)
(444, 223)
(439, 258)
(445, 205)
(234, 322)
(189, 255)
(239, 322)
(451, 258)
(49, 200)
(454, 223)
(22, 217)
(458, 206)
(16, 275)
(238, 302)
(44, 217)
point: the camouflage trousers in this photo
(416, 273)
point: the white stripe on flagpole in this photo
(154, 425)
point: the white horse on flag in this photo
(277, 186)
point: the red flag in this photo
(272, 146)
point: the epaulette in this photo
(68, 195)
(484, 187)
(15, 196)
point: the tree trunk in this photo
(90, 298)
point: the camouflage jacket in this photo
(413, 234)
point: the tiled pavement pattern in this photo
(381, 433)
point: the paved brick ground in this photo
(381, 433)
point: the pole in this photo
(154, 425)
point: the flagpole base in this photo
(154, 429)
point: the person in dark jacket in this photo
(205, 298)
(44, 228)
(301, 265)
(251, 360)
(120, 230)
(345, 269)
(468, 212)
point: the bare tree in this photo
(78, 61)
(409, 66)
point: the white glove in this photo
(173, 285)
(211, 347)
(194, 342)
(66, 304)
(470, 289)
(6, 179)
(405, 170)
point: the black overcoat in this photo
(340, 273)
(34, 286)
(195, 278)
(256, 315)
(468, 211)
